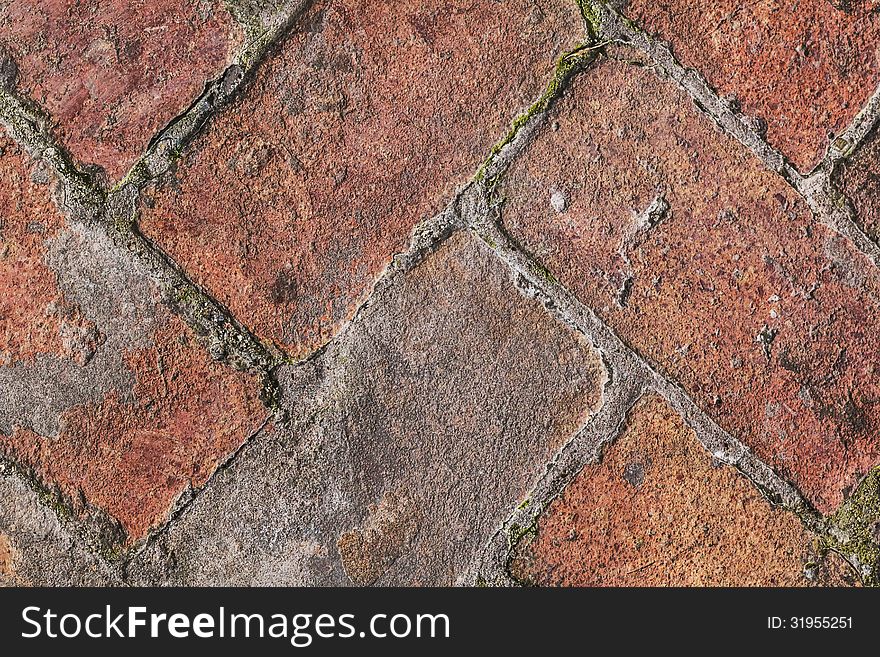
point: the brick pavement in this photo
(549, 293)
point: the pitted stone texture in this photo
(713, 269)
(859, 178)
(34, 316)
(111, 73)
(361, 127)
(657, 511)
(134, 450)
(414, 436)
(806, 67)
(103, 392)
(35, 548)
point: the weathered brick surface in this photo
(361, 127)
(112, 72)
(412, 439)
(804, 66)
(657, 511)
(103, 392)
(33, 313)
(36, 548)
(403, 445)
(859, 178)
(136, 449)
(764, 315)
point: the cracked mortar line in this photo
(625, 364)
(115, 211)
(165, 148)
(183, 502)
(82, 195)
(824, 200)
(96, 531)
(426, 237)
(481, 217)
(262, 34)
(82, 198)
(89, 535)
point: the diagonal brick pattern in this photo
(658, 511)
(548, 293)
(106, 396)
(762, 319)
(449, 393)
(290, 206)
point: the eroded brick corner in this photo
(362, 126)
(659, 511)
(712, 268)
(105, 396)
(801, 69)
(112, 73)
(859, 179)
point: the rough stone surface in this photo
(412, 438)
(657, 511)
(805, 67)
(713, 269)
(361, 127)
(112, 72)
(36, 549)
(34, 317)
(417, 415)
(104, 393)
(859, 178)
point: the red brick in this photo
(132, 458)
(859, 178)
(658, 512)
(32, 308)
(103, 392)
(110, 72)
(804, 66)
(739, 256)
(361, 127)
(410, 439)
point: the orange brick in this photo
(762, 313)
(658, 512)
(33, 312)
(361, 127)
(859, 178)
(104, 394)
(111, 73)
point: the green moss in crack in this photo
(516, 535)
(271, 395)
(92, 525)
(566, 67)
(257, 35)
(488, 240)
(545, 274)
(29, 124)
(854, 529)
(592, 16)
